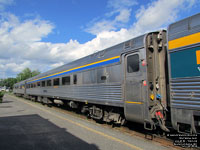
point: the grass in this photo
(1, 96)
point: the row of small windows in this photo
(132, 66)
(19, 87)
(54, 82)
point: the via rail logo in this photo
(198, 59)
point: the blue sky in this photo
(44, 34)
(67, 16)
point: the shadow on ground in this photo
(32, 132)
(6, 101)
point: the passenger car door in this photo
(133, 87)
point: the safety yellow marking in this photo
(184, 41)
(198, 56)
(85, 127)
(77, 67)
(133, 102)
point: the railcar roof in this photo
(184, 27)
(116, 50)
(20, 83)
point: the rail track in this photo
(130, 128)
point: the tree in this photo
(35, 73)
(9, 82)
(26, 73)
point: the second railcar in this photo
(184, 60)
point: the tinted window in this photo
(48, 82)
(133, 63)
(43, 83)
(103, 77)
(56, 81)
(75, 78)
(38, 84)
(66, 80)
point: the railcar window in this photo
(48, 82)
(31, 85)
(75, 78)
(66, 80)
(43, 83)
(103, 77)
(133, 63)
(56, 81)
(38, 83)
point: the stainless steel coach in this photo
(126, 81)
(19, 88)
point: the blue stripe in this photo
(80, 69)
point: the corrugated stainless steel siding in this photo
(19, 91)
(100, 92)
(185, 93)
(89, 92)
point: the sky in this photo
(44, 34)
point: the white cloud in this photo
(57, 64)
(101, 26)
(158, 14)
(21, 45)
(3, 4)
(39, 29)
(123, 16)
(119, 15)
(10, 68)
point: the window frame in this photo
(75, 79)
(49, 82)
(65, 77)
(42, 83)
(54, 81)
(39, 84)
(127, 64)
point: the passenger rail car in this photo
(184, 59)
(146, 79)
(19, 88)
(112, 84)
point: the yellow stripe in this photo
(133, 102)
(83, 126)
(184, 41)
(198, 56)
(77, 67)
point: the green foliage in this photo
(1, 95)
(9, 82)
(25, 74)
